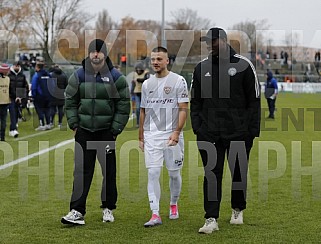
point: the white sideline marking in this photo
(20, 160)
(35, 134)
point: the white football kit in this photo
(161, 98)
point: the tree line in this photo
(62, 29)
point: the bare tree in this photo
(12, 17)
(188, 19)
(104, 23)
(254, 37)
(49, 17)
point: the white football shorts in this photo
(157, 151)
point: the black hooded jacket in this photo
(61, 82)
(225, 99)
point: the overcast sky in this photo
(282, 15)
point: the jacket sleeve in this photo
(72, 100)
(26, 86)
(253, 95)
(34, 85)
(196, 100)
(122, 106)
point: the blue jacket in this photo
(40, 85)
(271, 85)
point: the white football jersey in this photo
(160, 98)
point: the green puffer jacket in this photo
(97, 102)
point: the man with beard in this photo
(225, 116)
(97, 110)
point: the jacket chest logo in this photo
(232, 71)
(167, 89)
(105, 79)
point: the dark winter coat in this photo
(225, 99)
(19, 86)
(97, 101)
(61, 82)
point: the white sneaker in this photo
(209, 226)
(108, 215)
(14, 133)
(40, 128)
(237, 217)
(73, 218)
(49, 127)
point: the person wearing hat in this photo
(4, 98)
(97, 109)
(225, 116)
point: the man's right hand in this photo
(141, 145)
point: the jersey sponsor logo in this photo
(167, 89)
(162, 101)
(231, 71)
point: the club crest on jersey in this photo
(231, 71)
(167, 89)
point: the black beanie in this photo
(97, 45)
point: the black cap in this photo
(97, 45)
(214, 33)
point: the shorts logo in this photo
(231, 71)
(167, 89)
(178, 162)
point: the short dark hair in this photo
(40, 65)
(159, 49)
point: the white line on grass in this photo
(20, 160)
(35, 134)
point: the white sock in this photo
(153, 189)
(175, 185)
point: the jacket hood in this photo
(14, 72)
(57, 71)
(86, 64)
(269, 75)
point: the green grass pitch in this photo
(284, 188)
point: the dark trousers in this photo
(43, 110)
(53, 111)
(271, 104)
(3, 120)
(213, 157)
(88, 145)
(13, 111)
